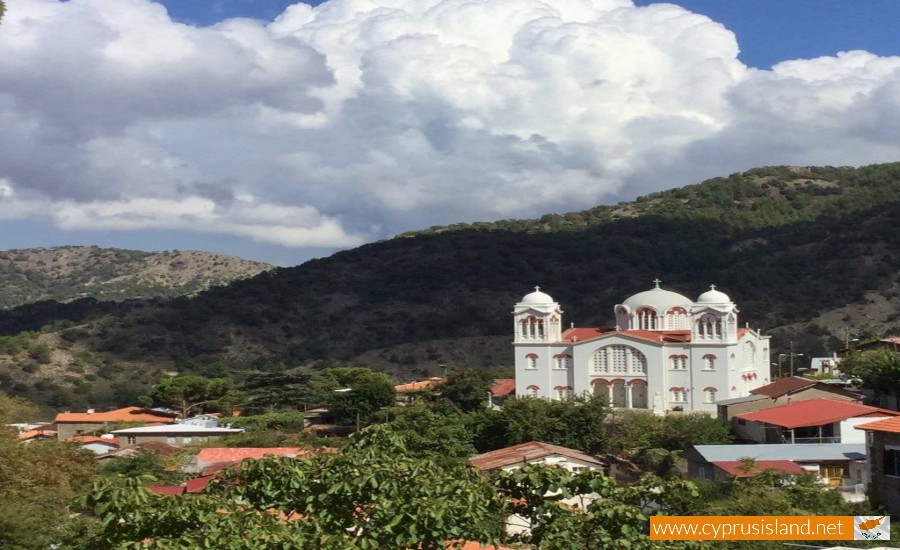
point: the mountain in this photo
(810, 254)
(67, 273)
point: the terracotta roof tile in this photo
(582, 334)
(889, 425)
(236, 454)
(421, 385)
(813, 412)
(85, 439)
(31, 434)
(128, 414)
(525, 452)
(734, 467)
(503, 387)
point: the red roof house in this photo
(810, 421)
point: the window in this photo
(646, 319)
(677, 319)
(563, 361)
(131, 440)
(564, 393)
(678, 396)
(532, 327)
(710, 395)
(678, 362)
(709, 362)
(892, 462)
(531, 361)
(619, 360)
(599, 363)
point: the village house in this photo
(188, 432)
(782, 392)
(70, 424)
(839, 465)
(810, 421)
(883, 449)
(536, 452)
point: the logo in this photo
(871, 528)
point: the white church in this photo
(666, 353)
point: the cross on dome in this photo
(537, 288)
(657, 281)
(712, 287)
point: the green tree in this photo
(37, 481)
(295, 389)
(587, 510)
(878, 369)
(468, 389)
(361, 392)
(576, 423)
(372, 495)
(193, 394)
(428, 433)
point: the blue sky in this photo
(275, 134)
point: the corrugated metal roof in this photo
(809, 452)
(177, 429)
(783, 386)
(212, 455)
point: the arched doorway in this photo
(638, 394)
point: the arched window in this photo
(749, 356)
(646, 318)
(678, 362)
(564, 392)
(677, 319)
(532, 391)
(619, 360)
(562, 361)
(709, 395)
(709, 362)
(678, 395)
(531, 361)
(532, 327)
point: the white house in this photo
(666, 352)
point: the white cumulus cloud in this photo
(355, 119)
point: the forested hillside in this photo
(811, 254)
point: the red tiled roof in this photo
(128, 414)
(813, 412)
(503, 387)
(197, 484)
(237, 454)
(421, 385)
(783, 387)
(889, 425)
(582, 334)
(734, 467)
(525, 452)
(31, 434)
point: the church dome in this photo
(713, 296)
(659, 299)
(537, 298)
